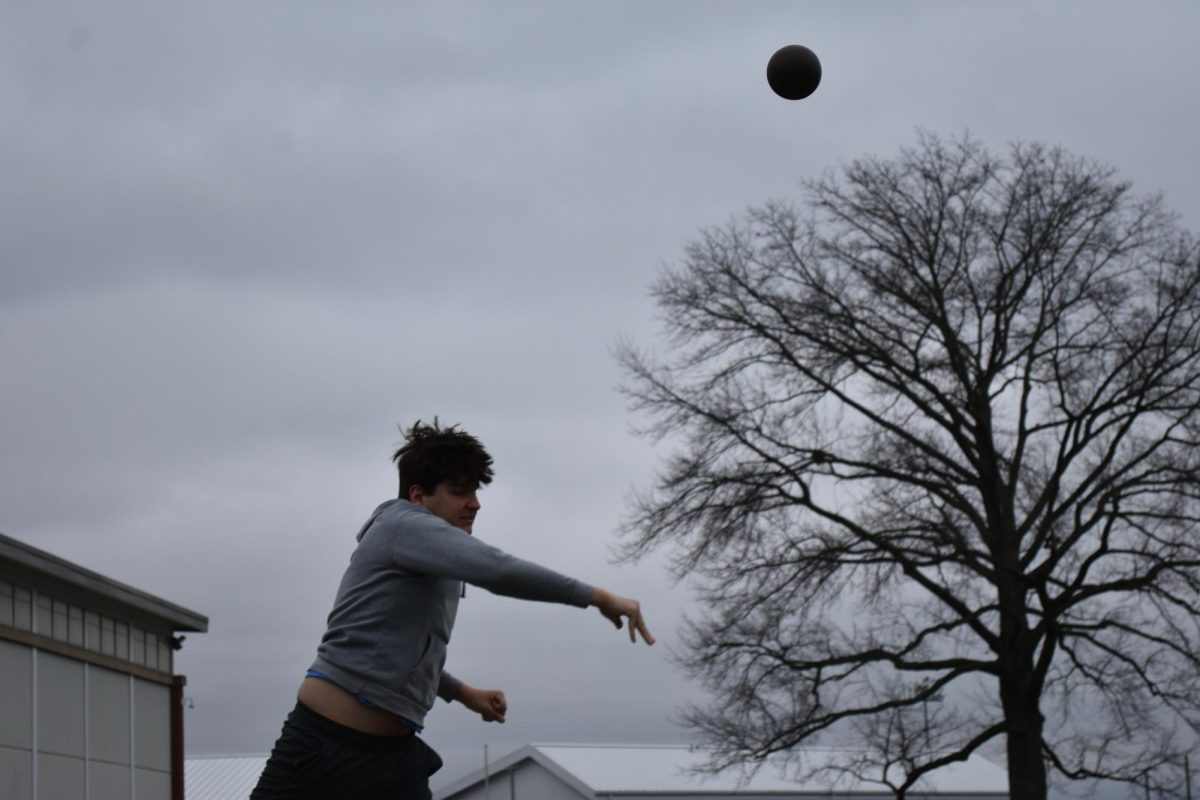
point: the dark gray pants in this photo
(317, 759)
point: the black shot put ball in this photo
(794, 72)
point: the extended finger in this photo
(641, 626)
(634, 612)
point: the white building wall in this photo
(108, 717)
(80, 718)
(152, 739)
(60, 706)
(108, 781)
(535, 781)
(16, 721)
(526, 781)
(16, 774)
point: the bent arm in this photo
(490, 704)
(448, 687)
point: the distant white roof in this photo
(596, 770)
(221, 777)
(599, 769)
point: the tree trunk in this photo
(1019, 697)
(1026, 764)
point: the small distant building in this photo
(223, 777)
(628, 772)
(90, 705)
(647, 772)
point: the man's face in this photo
(454, 502)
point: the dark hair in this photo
(432, 454)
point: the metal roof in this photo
(221, 777)
(600, 770)
(39, 561)
(596, 770)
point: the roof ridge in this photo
(618, 745)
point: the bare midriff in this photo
(336, 704)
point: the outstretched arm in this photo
(615, 608)
(487, 703)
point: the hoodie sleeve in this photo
(429, 545)
(448, 686)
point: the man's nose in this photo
(473, 502)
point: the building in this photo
(223, 777)
(629, 772)
(90, 705)
(643, 772)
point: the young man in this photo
(378, 669)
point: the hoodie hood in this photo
(384, 506)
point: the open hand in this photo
(487, 703)
(615, 608)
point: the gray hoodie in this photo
(387, 634)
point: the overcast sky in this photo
(241, 242)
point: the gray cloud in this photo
(240, 243)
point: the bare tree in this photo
(935, 468)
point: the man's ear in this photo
(416, 494)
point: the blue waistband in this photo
(312, 673)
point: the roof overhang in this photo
(63, 571)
